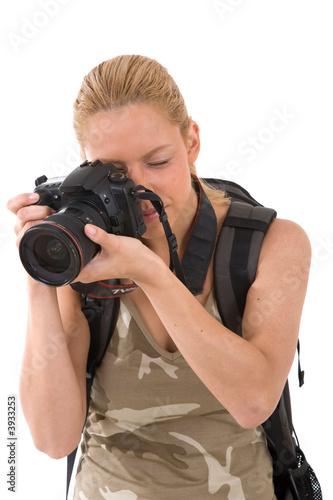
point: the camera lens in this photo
(51, 254)
(54, 251)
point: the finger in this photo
(22, 200)
(108, 242)
(33, 213)
(20, 231)
(30, 216)
(96, 234)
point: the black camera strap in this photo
(146, 194)
(201, 243)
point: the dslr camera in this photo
(54, 251)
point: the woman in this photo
(177, 404)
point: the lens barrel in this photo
(54, 251)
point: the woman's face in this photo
(151, 151)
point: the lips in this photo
(150, 215)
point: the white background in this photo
(238, 63)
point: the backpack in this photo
(235, 263)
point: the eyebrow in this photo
(147, 155)
(156, 150)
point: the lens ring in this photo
(33, 252)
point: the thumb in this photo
(94, 233)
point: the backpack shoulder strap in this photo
(101, 315)
(233, 191)
(236, 258)
(235, 264)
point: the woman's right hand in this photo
(27, 212)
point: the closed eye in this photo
(158, 164)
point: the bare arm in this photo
(52, 382)
(246, 375)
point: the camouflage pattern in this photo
(155, 432)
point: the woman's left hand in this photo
(119, 257)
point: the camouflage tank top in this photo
(155, 432)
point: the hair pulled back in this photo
(126, 80)
(133, 79)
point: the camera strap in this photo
(193, 267)
(146, 194)
(201, 242)
(192, 270)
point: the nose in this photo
(139, 176)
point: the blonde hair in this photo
(127, 80)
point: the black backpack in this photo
(235, 264)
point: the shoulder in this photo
(287, 239)
(284, 260)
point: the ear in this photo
(193, 142)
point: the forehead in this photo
(138, 126)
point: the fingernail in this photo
(33, 196)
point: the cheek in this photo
(174, 182)
(184, 181)
(180, 195)
(177, 187)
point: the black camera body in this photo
(54, 251)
